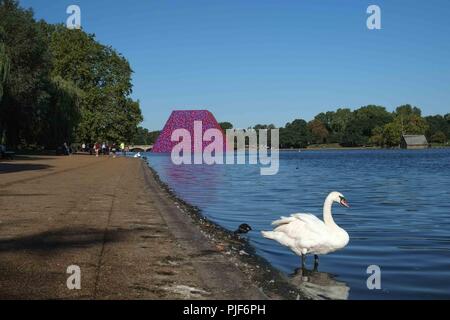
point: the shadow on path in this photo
(52, 241)
(17, 167)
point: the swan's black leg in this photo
(316, 262)
(303, 260)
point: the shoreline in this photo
(360, 148)
(26, 152)
(236, 248)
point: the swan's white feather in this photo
(301, 232)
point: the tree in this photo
(363, 121)
(437, 124)
(339, 123)
(353, 135)
(439, 137)
(319, 132)
(152, 136)
(145, 137)
(60, 114)
(377, 138)
(370, 117)
(225, 126)
(392, 134)
(407, 120)
(294, 134)
(60, 85)
(406, 110)
(24, 94)
(354, 128)
(107, 113)
(335, 123)
(326, 118)
(4, 68)
(414, 124)
(4, 73)
(410, 119)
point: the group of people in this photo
(105, 149)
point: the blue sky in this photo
(260, 61)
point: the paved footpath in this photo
(109, 217)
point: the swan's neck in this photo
(327, 217)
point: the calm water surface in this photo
(399, 217)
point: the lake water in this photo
(399, 218)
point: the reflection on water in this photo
(399, 217)
(318, 285)
(179, 177)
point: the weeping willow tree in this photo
(4, 68)
(61, 112)
(4, 73)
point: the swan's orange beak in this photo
(344, 203)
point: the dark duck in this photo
(243, 228)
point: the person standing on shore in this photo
(97, 148)
(66, 149)
(113, 150)
(122, 148)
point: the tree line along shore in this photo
(60, 85)
(369, 126)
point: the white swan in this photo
(306, 234)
